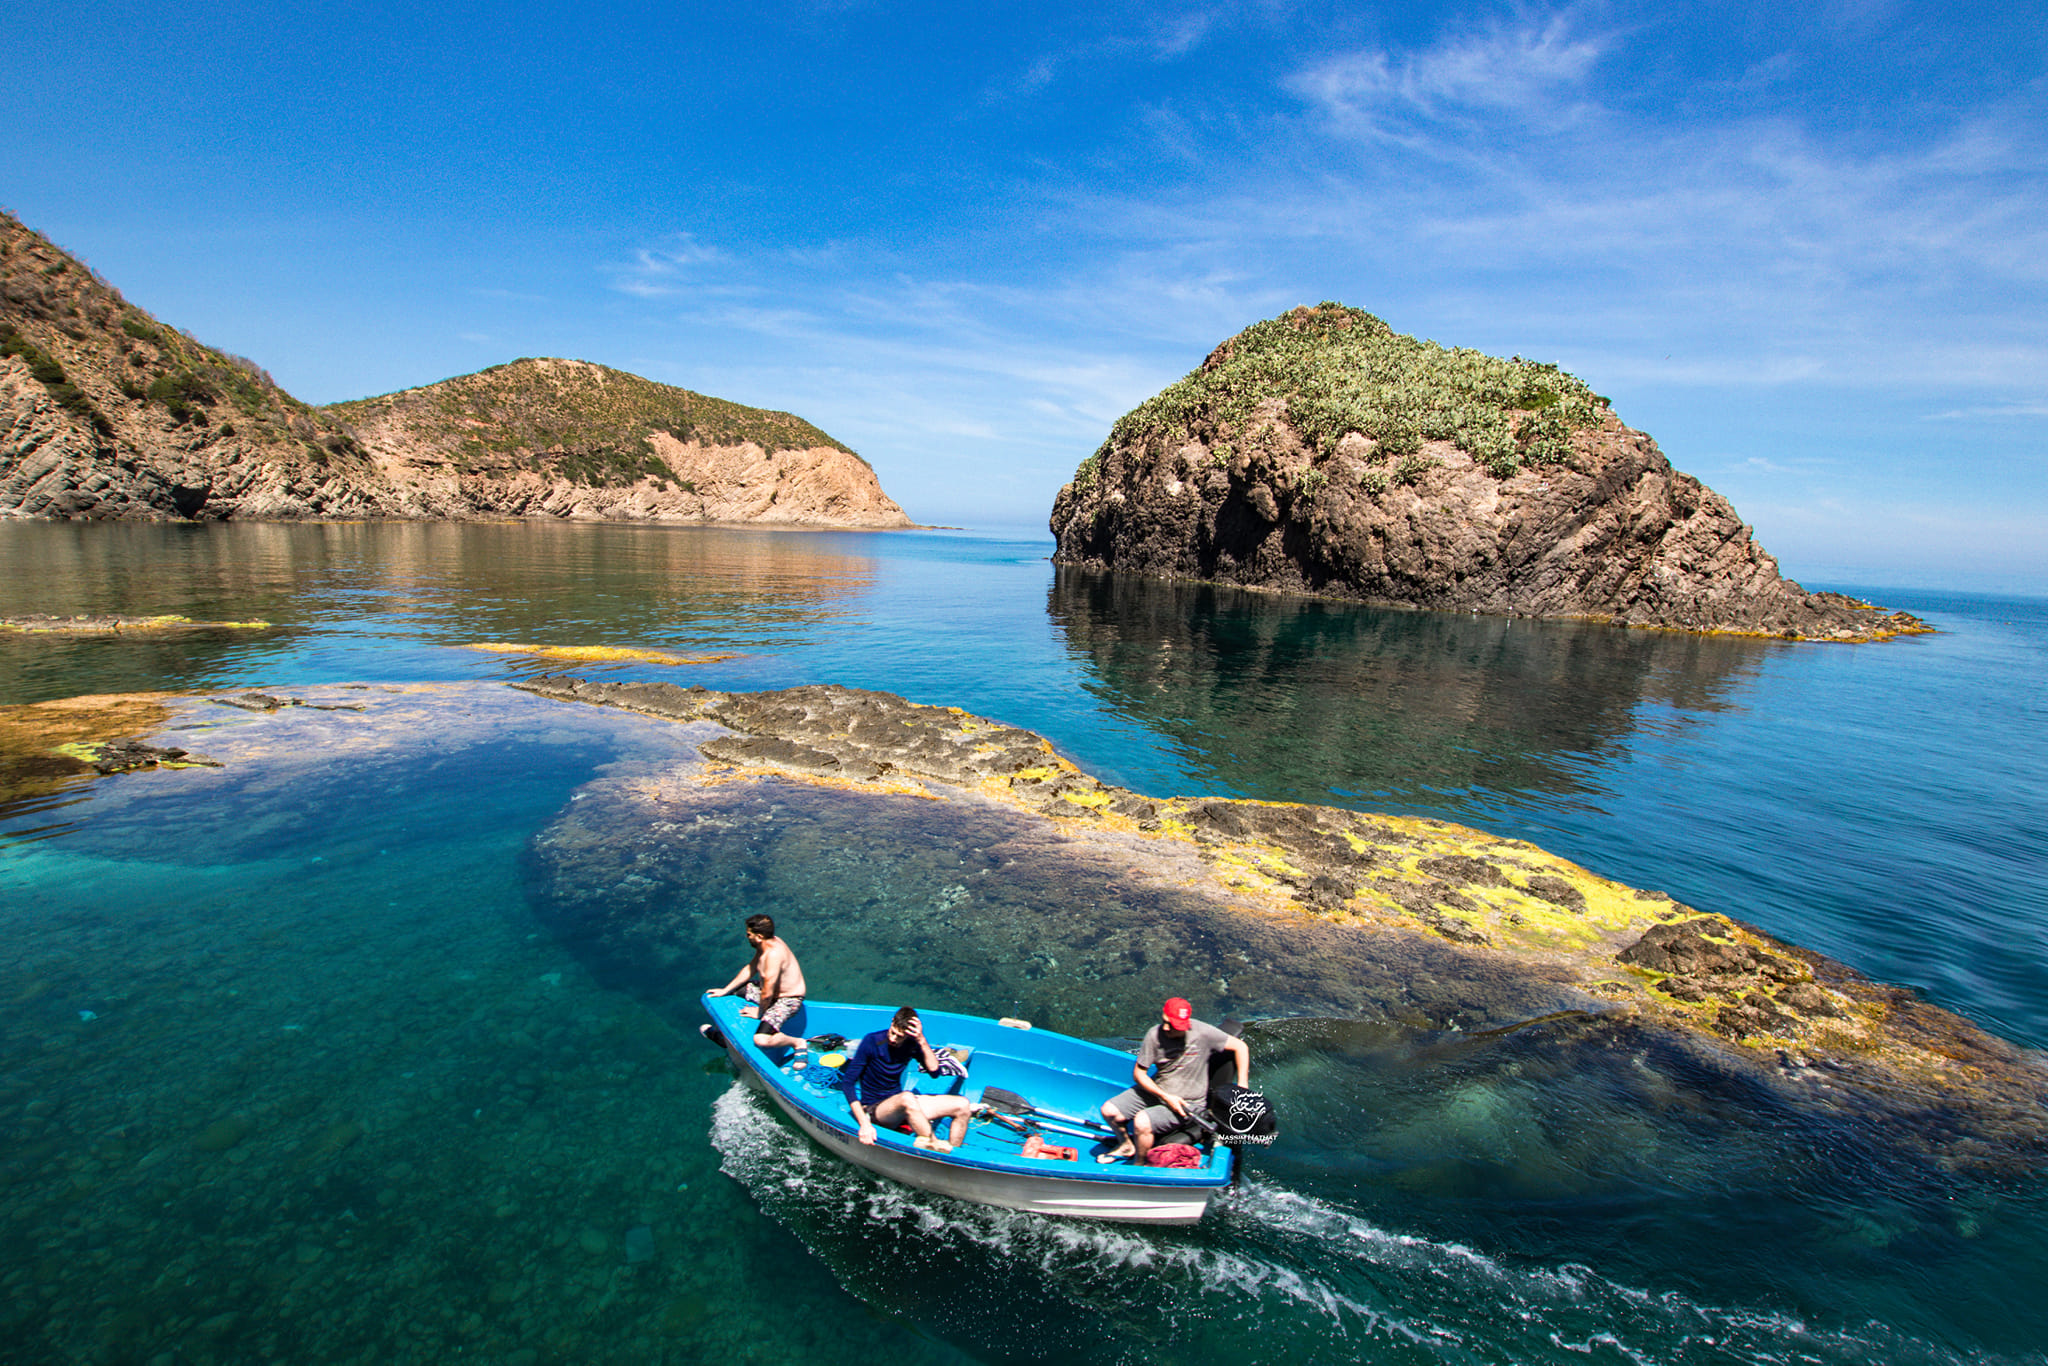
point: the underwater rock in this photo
(126, 756)
(224, 1134)
(1514, 928)
(259, 701)
(46, 746)
(252, 701)
(639, 1243)
(106, 624)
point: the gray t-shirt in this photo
(1183, 1067)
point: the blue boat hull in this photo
(1054, 1072)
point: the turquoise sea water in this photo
(305, 1058)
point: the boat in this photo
(1025, 1083)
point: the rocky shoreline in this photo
(109, 414)
(1517, 926)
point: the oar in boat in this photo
(996, 1098)
(1000, 1102)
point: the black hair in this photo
(763, 925)
(904, 1015)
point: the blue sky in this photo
(1804, 246)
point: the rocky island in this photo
(107, 413)
(1322, 452)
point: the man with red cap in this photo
(1179, 1047)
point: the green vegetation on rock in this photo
(79, 337)
(573, 419)
(51, 376)
(1341, 370)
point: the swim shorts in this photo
(1130, 1104)
(777, 1015)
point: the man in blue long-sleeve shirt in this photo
(873, 1083)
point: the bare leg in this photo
(955, 1110)
(902, 1108)
(1114, 1118)
(1141, 1137)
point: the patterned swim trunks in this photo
(777, 1015)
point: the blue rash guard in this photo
(875, 1072)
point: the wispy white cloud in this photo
(667, 267)
(1990, 410)
(1151, 37)
(1521, 70)
(1179, 34)
(1485, 190)
(1039, 73)
(1754, 248)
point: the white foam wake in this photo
(1272, 1274)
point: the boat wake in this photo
(1271, 1275)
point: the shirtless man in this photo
(777, 988)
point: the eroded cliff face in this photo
(566, 438)
(1505, 489)
(106, 413)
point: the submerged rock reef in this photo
(46, 747)
(1310, 910)
(1322, 452)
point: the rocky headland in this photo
(1338, 913)
(107, 413)
(566, 438)
(1322, 452)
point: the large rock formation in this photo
(566, 438)
(1321, 452)
(107, 413)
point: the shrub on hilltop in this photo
(1340, 370)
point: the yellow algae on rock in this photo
(37, 625)
(47, 745)
(595, 654)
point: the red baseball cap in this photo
(1177, 1012)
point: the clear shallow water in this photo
(349, 1090)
